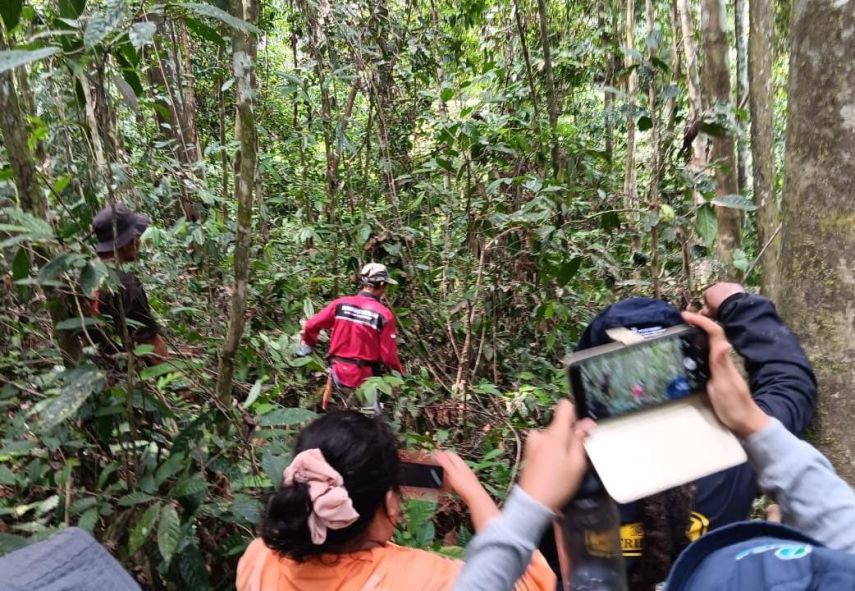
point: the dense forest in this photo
(516, 164)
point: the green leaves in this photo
(25, 227)
(71, 8)
(15, 58)
(143, 529)
(707, 223)
(168, 532)
(79, 384)
(103, 23)
(10, 10)
(141, 34)
(205, 32)
(735, 202)
(285, 417)
(134, 498)
(221, 15)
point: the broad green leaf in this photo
(191, 567)
(155, 371)
(204, 31)
(104, 23)
(644, 123)
(143, 529)
(11, 542)
(189, 486)
(735, 202)
(88, 520)
(78, 385)
(7, 477)
(286, 417)
(274, 465)
(447, 94)
(222, 16)
(568, 270)
(77, 323)
(707, 223)
(740, 260)
(10, 10)
(134, 498)
(247, 509)
(91, 276)
(712, 128)
(71, 8)
(15, 58)
(141, 34)
(168, 532)
(61, 264)
(308, 308)
(253, 394)
(169, 468)
(130, 76)
(21, 265)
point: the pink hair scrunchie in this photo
(332, 507)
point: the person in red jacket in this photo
(363, 334)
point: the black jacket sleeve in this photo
(780, 376)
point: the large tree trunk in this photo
(243, 50)
(653, 201)
(741, 34)
(698, 159)
(630, 189)
(171, 72)
(761, 56)
(716, 83)
(818, 257)
(551, 99)
(15, 133)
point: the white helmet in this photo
(376, 274)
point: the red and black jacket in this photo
(363, 337)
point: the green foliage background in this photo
(444, 173)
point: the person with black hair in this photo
(657, 528)
(330, 523)
(813, 550)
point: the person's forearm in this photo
(498, 556)
(482, 509)
(812, 496)
(780, 375)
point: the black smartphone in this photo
(421, 476)
(616, 379)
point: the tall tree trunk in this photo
(529, 73)
(716, 81)
(14, 129)
(653, 192)
(243, 48)
(818, 257)
(630, 188)
(171, 71)
(693, 83)
(761, 57)
(551, 99)
(741, 33)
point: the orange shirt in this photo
(384, 568)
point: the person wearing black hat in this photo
(118, 231)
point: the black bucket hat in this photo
(129, 225)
